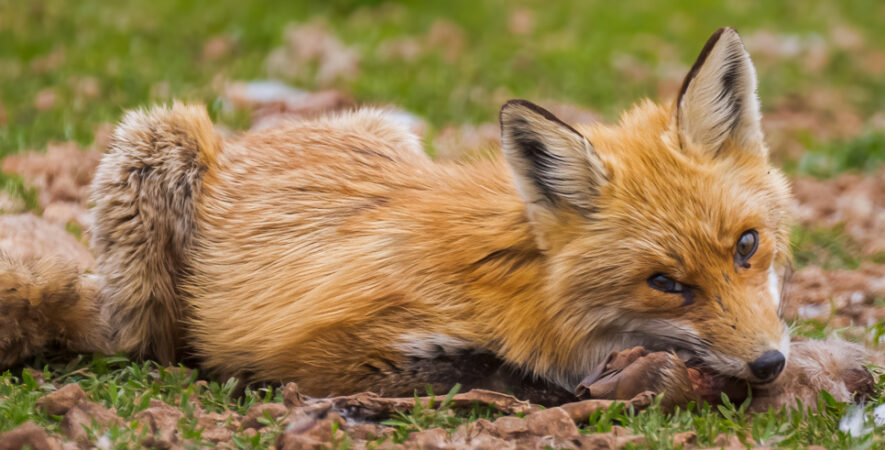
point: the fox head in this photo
(668, 230)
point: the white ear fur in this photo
(718, 97)
(553, 164)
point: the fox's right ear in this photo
(717, 102)
(554, 166)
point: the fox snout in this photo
(767, 367)
(761, 349)
(760, 344)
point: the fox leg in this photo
(48, 304)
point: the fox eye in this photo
(666, 284)
(746, 247)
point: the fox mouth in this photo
(681, 374)
(709, 384)
(706, 381)
(695, 352)
(709, 373)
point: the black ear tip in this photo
(726, 31)
(518, 102)
(527, 107)
(511, 108)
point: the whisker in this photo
(691, 342)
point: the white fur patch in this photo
(429, 345)
(784, 345)
(774, 286)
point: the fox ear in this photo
(718, 99)
(553, 164)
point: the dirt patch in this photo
(814, 293)
(62, 175)
(855, 200)
(822, 114)
(468, 142)
(161, 422)
(217, 47)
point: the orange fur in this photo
(332, 252)
(338, 251)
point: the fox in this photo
(334, 253)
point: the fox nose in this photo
(768, 366)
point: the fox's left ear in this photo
(718, 100)
(555, 168)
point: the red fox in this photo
(334, 253)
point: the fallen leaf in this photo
(61, 174)
(521, 21)
(161, 422)
(28, 435)
(58, 403)
(45, 99)
(84, 415)
(313, 45)
(217, 47)
(27, 237)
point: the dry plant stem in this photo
(369, 406)
(580, 412)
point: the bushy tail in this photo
(144, 200)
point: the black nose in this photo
(768, 366)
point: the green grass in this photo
(17, 188)
(790, 428)
(830, 248)
(129, 386)
(116, 382)
(435, 415)
(799, 426)
(142, 52)
(864, 153)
